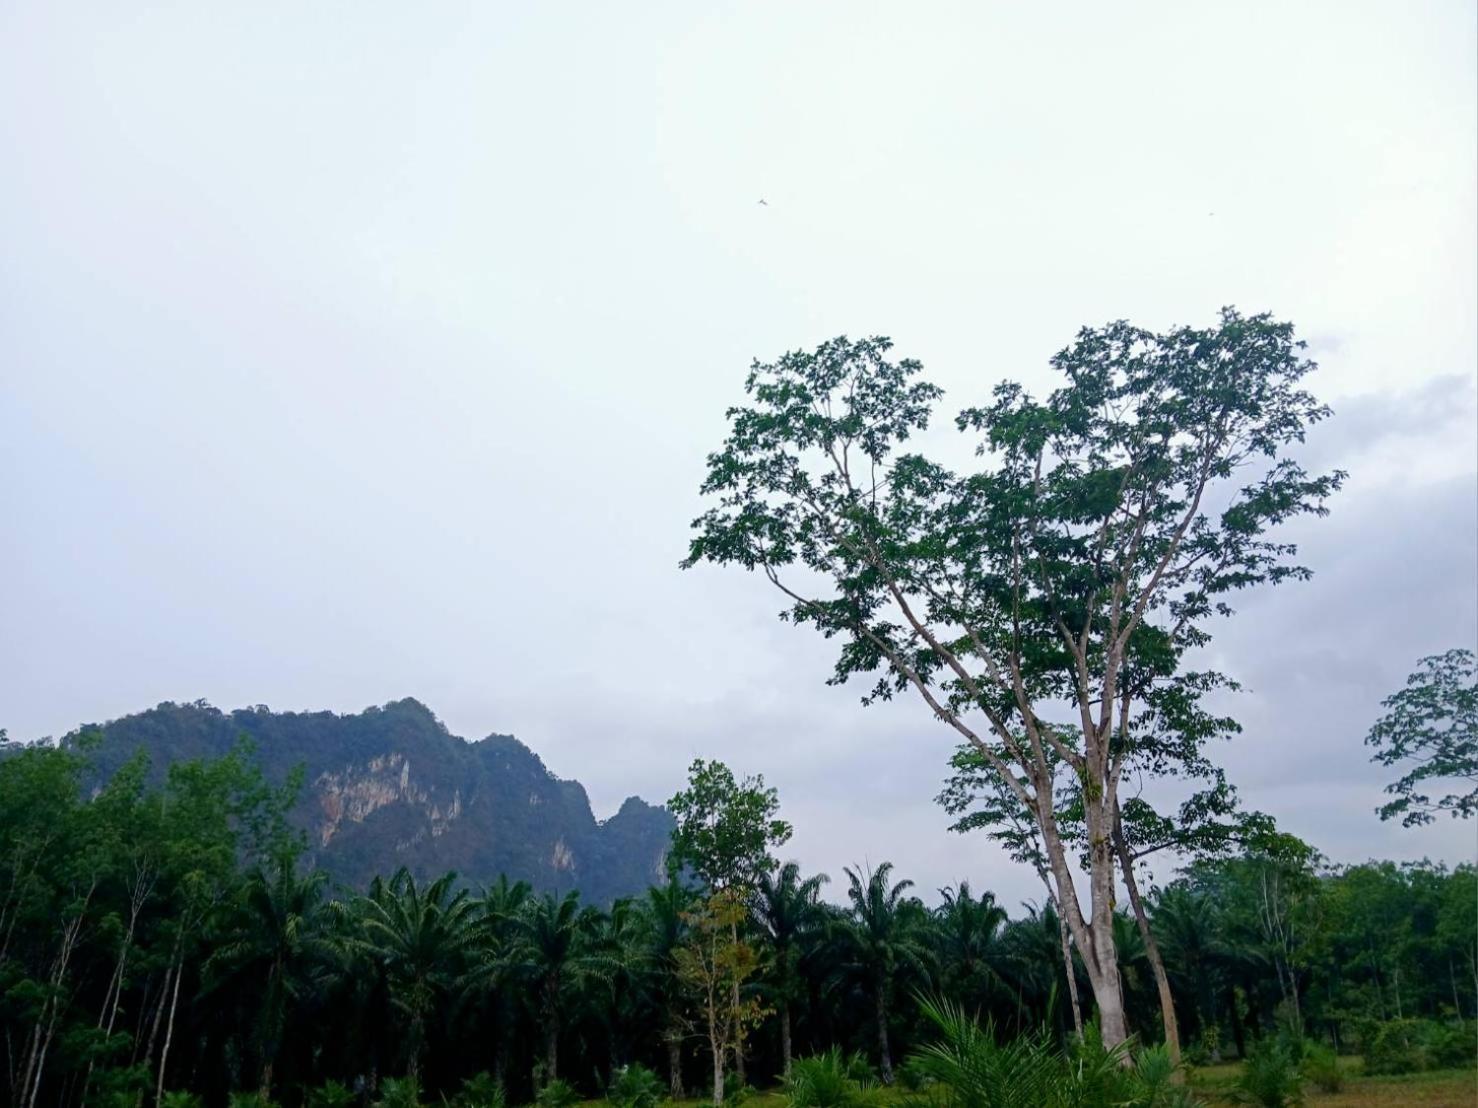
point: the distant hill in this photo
(391, 787)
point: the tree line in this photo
(159, 938)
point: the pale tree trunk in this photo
(1094, 936)
(46, 1020)
(1151, 947)
(1067, 965)
(734, 1000)
(718, 1071)
(174, 1001)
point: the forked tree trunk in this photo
(1094, 935)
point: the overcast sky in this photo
(358, 351)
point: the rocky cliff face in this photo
(391, 787)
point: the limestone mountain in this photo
(392, 786)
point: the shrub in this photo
(557, 1094)
(1270, 1077)
(635, 1086)
(331, 1094)
(1153, 1083)
(179, 1100)
(481, 1090)
(1451, 1045)
(1320, 1065)
(911, 1077)
(736, 1092)
(825, 1081)
(399, 1092)
(860, 1070)
(249, 1100)
(1396, 1046)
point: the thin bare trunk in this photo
(1151, 947)
(1070, 973)
(174, 1000)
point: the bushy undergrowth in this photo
(1320, 1066)
(399, 1092)
(331, 1094)
(481, 1090)
(557, 1094)
(1270, 1077)
(829, 1080)
(975, 1071)
(1410, 1046)
(635, 1086)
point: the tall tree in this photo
(668, 910)
(553, 954)
(1431, 729)
(423, 936)
(277, 940)
(968, 934)
(886, 946)
(1080, 563)
(785, 907)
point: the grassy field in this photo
(1439, 1089)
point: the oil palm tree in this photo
(502, 903)
(968, 934)
(425, 938)
(276, 940)
(785, 908)
(885, 944)
(553, 954)
(665, 920)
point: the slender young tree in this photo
(725, 831)
(1106, 526)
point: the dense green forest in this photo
(157, 937)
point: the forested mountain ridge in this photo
(391, 786)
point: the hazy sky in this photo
(357, 351)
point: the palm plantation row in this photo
(159, 938)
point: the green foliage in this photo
(1080, 560)
(249, 1100)
(1431, 729)
(481, 1090)
(725, 827)
(828, 1080)
(399, 1092)
(736, 1092)
(1270, 1077)
(1412, 1045)
(1320, 1067)
(1453, 1044)
(332, 1094)
(635, 1086)
(179, 1099)
(557, 1094)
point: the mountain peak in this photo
(391, 786)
